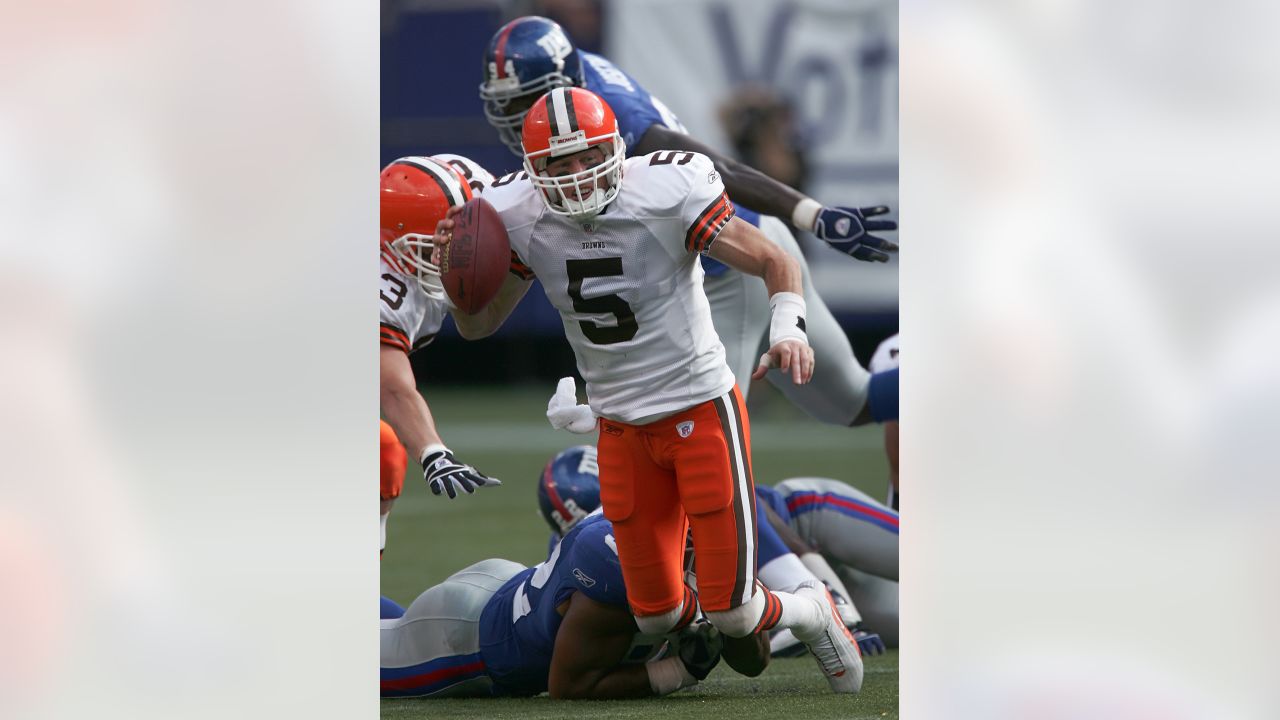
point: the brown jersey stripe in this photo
(422, 342)
(705, 227)
(740, 521)
(697, 222)
(395, 342)
(393, 336)
(713, 229)
(744, 433)
(518, 268)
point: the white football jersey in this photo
(409, 319)
(628, 284)
(477, 177)
(886, 355)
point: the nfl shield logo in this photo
(685, 428)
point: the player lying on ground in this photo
(415, 193)
(530, 56)
(845, 538)
(619, 264)
(884, 360)
(855, 532)
(563, 626)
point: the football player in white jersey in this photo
(415, 194)
(530, 55)
(621, 266)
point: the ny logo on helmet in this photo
(556, 45)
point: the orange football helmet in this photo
(563, 122)
(416, 193)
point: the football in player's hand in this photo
(475, 262)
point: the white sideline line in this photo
(527, 437)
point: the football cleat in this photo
(833, 645)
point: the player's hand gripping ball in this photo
(475, 255)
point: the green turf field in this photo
(504, 433)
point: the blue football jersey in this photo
(768, 494)
(519, 624)
(633, 106)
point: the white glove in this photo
(565, 413)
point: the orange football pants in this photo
(393, 461)
(690, 470)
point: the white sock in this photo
(785, 573)
(804, 617)
(818, 566)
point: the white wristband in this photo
(668, 675)
(788, 318)
(805, 216)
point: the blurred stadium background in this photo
(804, 90)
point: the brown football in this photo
(475, 262)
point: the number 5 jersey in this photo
(628, 284)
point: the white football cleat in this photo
(833, 646)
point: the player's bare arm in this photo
(847, 229)
(741, 246)
(590, 646)
(491, 317)
(404, 408)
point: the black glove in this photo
(849, 231)
(699, 648)
(443, 472)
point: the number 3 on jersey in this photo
(626, 328)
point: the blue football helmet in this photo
(569, 488)
(526, 58)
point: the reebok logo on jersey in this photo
(583, 578)
(712, 177)
(612, 429)
(685, 428)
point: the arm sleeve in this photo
(707, 209)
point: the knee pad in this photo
(742, 620)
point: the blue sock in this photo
(882, 396)
(390, 609)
